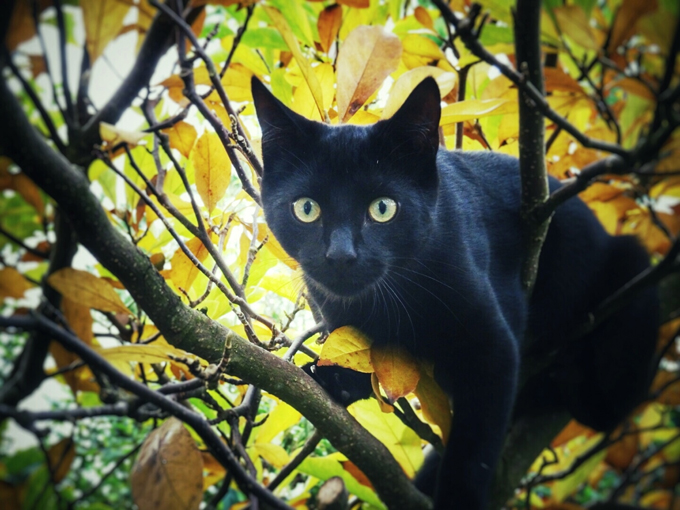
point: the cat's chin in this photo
(345, 289)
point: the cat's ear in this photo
(279, 123)
(416, 123)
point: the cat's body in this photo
(441, 276)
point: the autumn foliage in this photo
(182, 349)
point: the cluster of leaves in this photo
(180, 181)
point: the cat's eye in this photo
(306, 210)
(382, 209)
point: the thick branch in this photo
(186, 328)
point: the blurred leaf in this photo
(61, 457)
(85, 288)
(103, 20)
(396, 370)
(272, 453)
(168, 472)
(12, 283)
(213, 169)
(328, 25)
(145, 353)
(284, 28)
(627, 17)
(424, 17)
(366, 57)
(359, 4)
(347, 347)
(475, 109)
(114, 136)
(403, 87)
(573, 22)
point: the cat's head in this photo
(350, 203)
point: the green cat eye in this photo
(306, 210)
(382, 209)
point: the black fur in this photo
(442, 277)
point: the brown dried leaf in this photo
(61, 456)
(367, 56)
(168, 472)
(329, 23)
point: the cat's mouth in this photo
(343, 284)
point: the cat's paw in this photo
(343, 385)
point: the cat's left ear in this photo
(417, 121)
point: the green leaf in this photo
(297, 17)
(265, 37)
(39, 493)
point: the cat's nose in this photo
(341, 247)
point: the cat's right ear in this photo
(279, 124)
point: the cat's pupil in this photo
(307, 207)
(382, 207)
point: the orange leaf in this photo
(367, 56)
(424, 17)
(329, 23)
(434, 403)
(359, 4)
(396, 370)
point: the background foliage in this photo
(171, 152)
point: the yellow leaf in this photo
(328, 25)
(183, 271)
(366, 57)
(565, 487)
(61, 456)
(409, 80)
(400, 440)
(476, 109)
(281, 418)
(420, 51)
(103, 20)
(168, 472)
(385, 407)
(347, 347)
(182, 137)
(573, 22)
(85, 288)
(627, 18)
(291, 41)
(12, 283)
(145, 353)
(396, 370)
(303, 101)
(213, 169)
(272, 453)
(435, 404)
(113, 135)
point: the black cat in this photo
(422, 247)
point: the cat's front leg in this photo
(481, 376)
